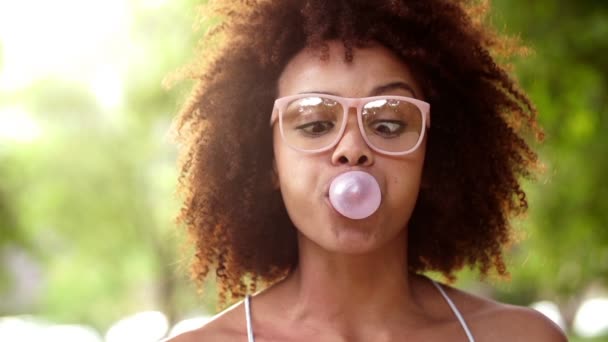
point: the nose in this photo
(352, 150)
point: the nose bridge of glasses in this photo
(351, 111)
(351, 125)
(352, 105)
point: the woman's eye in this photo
(388, 128)
(316, 128)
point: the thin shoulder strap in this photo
(455, 311)
(250, 337)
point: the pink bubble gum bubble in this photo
(355, 194)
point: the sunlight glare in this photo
(148, 326)
(70, 333)
(30, 328)
(17, 125)
(65, 38)
(591, 319)
(153, 4)
(107, 85)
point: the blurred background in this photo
(88, 247)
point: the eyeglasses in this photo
(393, 125)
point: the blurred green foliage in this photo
(567, 77)
(91, 201)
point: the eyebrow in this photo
(379, 90)
(393, 86)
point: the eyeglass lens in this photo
(312, 123)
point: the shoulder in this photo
(514, 323)
(228, 325)
(493, 321)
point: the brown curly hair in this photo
(476, 152)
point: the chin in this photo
(352, 239)
(334, 233)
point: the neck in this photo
(346, 290)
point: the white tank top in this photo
(251, 337)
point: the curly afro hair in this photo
(476, 151)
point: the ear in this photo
(275, 175)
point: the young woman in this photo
(334, 151)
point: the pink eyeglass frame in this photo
(347, 103)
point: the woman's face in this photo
(304, 178)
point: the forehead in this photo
(371, 66)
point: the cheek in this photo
(296, 172)
(299, 189)
(403, 184)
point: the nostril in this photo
(361, 161)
